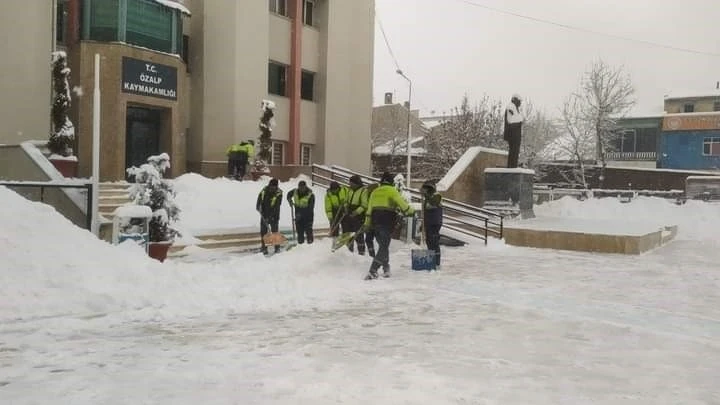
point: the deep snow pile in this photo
(220, 204)
(50, 267)
(696, 220)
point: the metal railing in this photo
(460, 217)
(42, 185)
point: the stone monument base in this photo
(509, 191)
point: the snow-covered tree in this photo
(538, 132)
(62, 136)
(152, 190)
(577, 144)
(606, 95)
(267, 123)
(465, 127)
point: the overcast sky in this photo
(448, 48)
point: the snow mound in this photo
(222, 205)
(462, 164)
(50, 266)
(696, 220)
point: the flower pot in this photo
(66, 167)
(159, 250)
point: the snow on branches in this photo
(150, 189)
(267, 123)
(62, 136)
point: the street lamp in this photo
(407, 145)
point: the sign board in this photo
(149, 79)
(691, 122)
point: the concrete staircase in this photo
(233, 242)
(111, 196)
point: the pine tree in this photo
(267, 123)
(63, 134)
(152, 190)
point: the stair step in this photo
(230, 236)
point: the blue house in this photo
(690, 141)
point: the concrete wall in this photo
(114, 105)
(25, 81)
(469, 186)
(18, 163)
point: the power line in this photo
(387, 43)
(574, 28)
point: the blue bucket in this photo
(423, 259)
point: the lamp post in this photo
(407, 145)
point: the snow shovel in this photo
(422, 259)
(272, 238)
(343, 240)
(292, 243)
(334, 227)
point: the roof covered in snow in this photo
(175, 4)
(417, 147)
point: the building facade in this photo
(691, 141)
(637, 143)
(692, 104)
(188, 77)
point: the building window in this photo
(61, 21)
(308, 12)
(711, 146)
(306, 155)
(278, 154)
(307, 86)
(145, 23)
(688, 108)
(279, 7)
(716, 106)
(186, 51)
(277, 78)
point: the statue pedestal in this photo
(509, 191)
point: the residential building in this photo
(690, 141)
(692, 104)
(637, 142)
(188, 77)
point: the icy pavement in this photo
(498, 325)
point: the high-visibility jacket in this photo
(384, 204)
(304, 203)
(357, 201)
(268, 203)
(335, 201)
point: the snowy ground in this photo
(498, 325)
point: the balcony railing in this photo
(644, 156)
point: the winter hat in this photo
(429, 186)
(334, 186)
(387, 178)
(273, 183)
(516, 97)
(302, 183)
(251, 142)
(355, 179)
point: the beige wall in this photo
(25, 81)
(347, 64)
(705, 104)
(235, 40)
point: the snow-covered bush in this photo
(267, 123)
(152, 190)
(63, 132)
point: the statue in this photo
(512, 132)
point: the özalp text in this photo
(148, 89)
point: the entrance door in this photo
(142, 138)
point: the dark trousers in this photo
(514, 153)
(236, 168)
(304, 229)
(382, 257)
(263, 230)
(432, 239)
(353, 224)
(370, 242)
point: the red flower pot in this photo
(68, 168)
(159, 250)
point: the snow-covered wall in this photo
(465, 181)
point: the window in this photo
(306, 155)
(278, 154)
(278, 7)
(186, 50)
(711, 146)
(277, 78)
(146, 23)
(308, 12)
(307, 86)
(716, 106)
(688, 108)
(61, 21)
